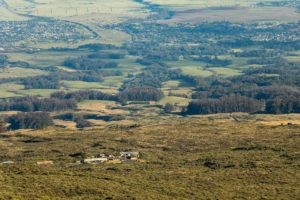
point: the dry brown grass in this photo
(67, 124)
(102, 107)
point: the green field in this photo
(225, 71)
(194, 68)
(14, 72)
(37, 92)
(44, 58)
(8, 90)
(82, 85)
(174, 100)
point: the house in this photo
(8, 162)
(111, 157)
(45, 162)
(95, 160)
(129, 156)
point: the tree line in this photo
(37, 120)
(3, 60)
(84, 63)
(84, 95)
(285, 105)
(141, 94)
(128, 94)
(226, 104)
(32, 104)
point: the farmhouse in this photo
(45, 162)
(129, 156)
(8, 162)
(102, 158)
(95, 160)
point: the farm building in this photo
(95, 160)
(130, 155)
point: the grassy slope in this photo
(247, 161)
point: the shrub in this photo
(36, 120)
(2, 126)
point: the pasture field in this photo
(8, 90)
(11, 86)
(194, 68)
(17, 72)
(100, 107)
(68, 124)
(129, 65)
(293, 58)
(191, 68)
(196, 71)
(110, 82)
(37, 92)
(108, 87)
(225, 71)
(83, 85)
(180, 101)
(109, 36)
(44, 58)
(113, 81)
(237, 63)
(7, 94)
(170, 84)
(179, 91)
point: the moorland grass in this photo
(182, 158)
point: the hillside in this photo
(196, 158)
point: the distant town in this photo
(16, 33)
